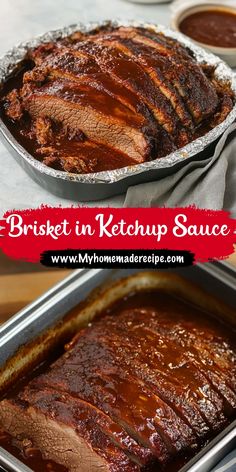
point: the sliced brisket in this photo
(181, 71)
(206, 407)
(131, 90)
(85, 108)
(65, 433)
(132, 392)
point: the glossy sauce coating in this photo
(113, 98)
(148, 352)
(106, 158)
(213, 27)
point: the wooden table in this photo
(19, 289)
(232, 260)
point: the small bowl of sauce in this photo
(212, 27)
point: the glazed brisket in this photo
(132, 91)
(133, 392)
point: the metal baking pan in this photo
(101, 185)
(46, 311)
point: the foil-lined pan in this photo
(98, 185)
(23, 329)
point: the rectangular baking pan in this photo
(101, 185)
(52, 306)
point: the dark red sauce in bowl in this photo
(214, 27)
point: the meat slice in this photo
(71, 64)
(155, 67)
(64, 433)
(83, 67)
(78, 410)
(129, 72)
(83, 107)
(213, 351)
(179, 69)
(204, 404)
(206, 356)
(111, 391)
(187, 367)
(145, 364)
(179, 337)
(152, 351)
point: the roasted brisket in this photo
(132, 91)
(132, 392)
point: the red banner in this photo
(27, 234)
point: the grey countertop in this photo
(23, 19)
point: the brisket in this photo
(85, 108)
(178, 68)
(132, 391)
(65, 433)
(131, 90)
(206, 407)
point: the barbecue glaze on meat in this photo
(114, 97)
(133, 392)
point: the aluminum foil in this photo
(222, 71)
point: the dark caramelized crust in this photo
(82, 411)
(130, 91)
(133, 392)
(66, 431)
